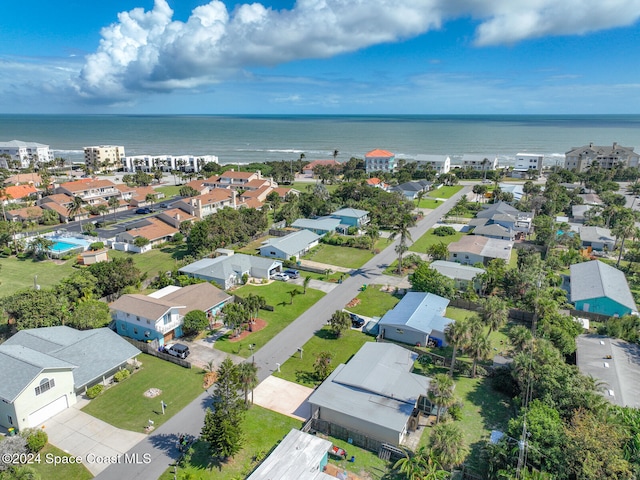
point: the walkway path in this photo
(161, 444)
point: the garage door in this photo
(42, 414)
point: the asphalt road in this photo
(160, 446)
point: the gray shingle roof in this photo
(322, 223)
(224, 267)
(143, 305)
(596, 279)
(493, 230)
(596, 234)
(420, 311)
(455, 270)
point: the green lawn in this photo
(341, 256)
(156, 260)
(70, 471)
(374, 302)
(300, 370)
(262, 428)
(124, 405)
(445, 192)
(302, 186)
(429, 238)
(367, 464)
(276, 295)
(428, 203)
(16, 274)
(169, 191)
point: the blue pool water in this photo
(66, 244)
(61, 247)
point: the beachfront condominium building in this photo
(581, 158)
(483, 163)
(526, 162)
(379, 161)
(104, 158)
(167, 163)
(19, 154)
(440, 163)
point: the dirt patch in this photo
(152, 392)
(353, 303)
(257, 325)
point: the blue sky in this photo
(320, 56)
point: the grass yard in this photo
(445, 192)
(158, 259)
(306, 187)
(251, 248)
(367, 464)
(374, 302)
(425, 241)
(276, 295)
(19, 273)
(169, 191)
(348, 257)
(70, 471)
(300, 370)
(262, 428)
(124, 405)
(428, 203)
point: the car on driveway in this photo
(177, 350)
(356, 321)
(283, 277)
(291, 273)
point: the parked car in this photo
(283, 277)
(164, 205)
(291, 273)
(356, 321)
(143, 211)
(177, 350)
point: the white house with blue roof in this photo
(43, 369)
(417, 319)
(295, 244)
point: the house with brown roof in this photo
(202, 206)
(140, 194)
(59, 203)
(17, 193)
(240, 180)
(24, 214)
(24, 178)
(309, 167)
(153, 229)
(91, 191)
(90, 257)
(175, 217)
(379, 160)
(159, 316)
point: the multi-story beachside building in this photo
(240, 180)
(104, 157)
(23, 154)
(526, 162)
(182, 163)
(91, 191)
(440, 163)
(581, 158)
(379, 161)
(484, 163)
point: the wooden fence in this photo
(152, 349)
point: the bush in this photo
(36, 440)
(94, 391)
(455, 411)
(444, 231)
(194, 322)
(96, 246)
(121, 375)
(178, 238)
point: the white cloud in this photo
(150, 51)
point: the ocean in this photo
(246, 138)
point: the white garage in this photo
(43, 414)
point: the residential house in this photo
(91, 191)
(299, 456)
(43, 369)
(472, 249)
(294, 245)
(581, 158)
(411, 190)
(579, 212)
(104, 157)
(175, 217)
(89, 257)
(592, 199)
(482, 163)
(494, 230)
(27, 214)
(202, 206)
(502, 213)
(379, 161)
(352, 217)
(227, 271)
(600, 288)
(514, 189)
(24, 154)
(320, 225)
(377, 183)
(374, 395)
(18, 193)
(24, 178)
(144, 196)
(59, 203)
(462, 275)
(340, 220)
(526, 162)
(153, 229)
(418, 319)
(440, 163)
(308, 169)
(283, 192)
(240, 180)
(598, 238)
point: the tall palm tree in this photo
(456, 334)
(4, 196)
(401, 230)
(448, 445)
(440, 392)
(521, 338)
(478, 345)
(494, 313)
(248, 376)
(75, 208)
(625, 227)
(114, 203)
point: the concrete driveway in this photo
(284, 397)
(97, 443)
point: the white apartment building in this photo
(24, 153)
(440, 163)
(183, 163)
(379, 161)
(104, 157)
(526, 162)
(480, 162)
(581, 158)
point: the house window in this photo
(148, 321)
(45, 384)
(135, 331)
(166, 319)
(400, 331)
(10, 418)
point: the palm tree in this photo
(4, 196)
(373, 232)
(521, 338)
(447, 445)
(305, 284)
(335, 154)
(114, 203)
(625, 227)
(75, 208)
(484, 163)
(401, 229)
(456, 334)
(248, 376)
(440, 392)
(494, 313)
(478, 345)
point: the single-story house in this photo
(600, 288)
(598, 238)
(160, 315)
(299, 456)
(153, 229)
(591, 199)
(472, 249)
(579, 212)
(295, 245)
(411, 189)
(309, 167)
(495, 230)
(462, 275)
(17, 193)
(514, 188)
(320, 225)
(227, 271)
(374, 394)
(43, 369)
(24, 214)
(418, 319)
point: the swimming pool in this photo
(63, 245)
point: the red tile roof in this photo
(379, 153)
(315, 163)
(17, 192)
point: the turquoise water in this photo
(61, 247)
(244, 139)
(64, 244)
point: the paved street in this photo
(161, 444)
